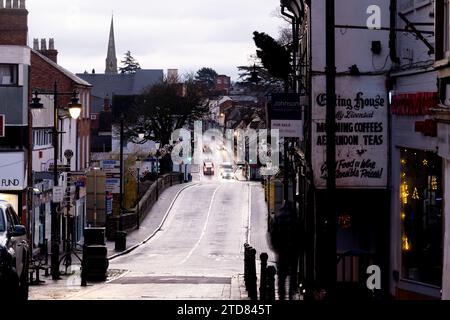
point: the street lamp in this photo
(75, 111)
(138, 214)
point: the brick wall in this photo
(13, 27)
(42, 77)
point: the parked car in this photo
(14, 255)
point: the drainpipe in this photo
(393, 32)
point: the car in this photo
(228, 174)
(14, 255)
(208, 168)
(227, 171)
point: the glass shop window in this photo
(8, 75)
(421, 197)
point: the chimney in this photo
(50, 53)
(36, 44)
(107, 104)
(44, 44)
(13, 23)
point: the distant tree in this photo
(162, 109)
(206, 76)
(275, 57)
(130, 65)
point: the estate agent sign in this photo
(361, 132)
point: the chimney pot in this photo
(16, 4)
(22, 4)
(8, 4)
(43, 44)
(36, 44)
(51, 44)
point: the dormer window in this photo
(8, 75)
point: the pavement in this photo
(204, 239)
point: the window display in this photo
(421, 198)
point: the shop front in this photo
(417, 201)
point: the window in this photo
(42, 138)
(442, 25)
(8, 75)
(421, 199)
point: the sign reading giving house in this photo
(361, 132)
(285, 114)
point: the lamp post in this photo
(75, 111)
(138, 214)
(157, 154)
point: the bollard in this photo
(270, 278)
(253, 287)
(83, 268)
(246, 264)
(263, 281)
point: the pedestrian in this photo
(285, 242)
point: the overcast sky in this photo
(179, 34)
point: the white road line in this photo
(204, 228)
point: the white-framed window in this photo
(42, 138)
(9, 75)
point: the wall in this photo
(15, 99)
(352, 46)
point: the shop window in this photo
(8, 75)
(421, 199)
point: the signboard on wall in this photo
(285, 114)
(112, 170)
(361, 132)
(12, 171)
(2, 125)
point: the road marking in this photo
(159, 227)
(204, 227)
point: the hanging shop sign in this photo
(361, 132)
(285, 114)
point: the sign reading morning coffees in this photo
(361, 132)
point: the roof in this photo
(122, 84)
(67, 73)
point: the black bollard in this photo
(83, 268)
(263, 281)
(246, 265)
(270, 277)
(253, 287)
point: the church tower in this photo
(111, 59)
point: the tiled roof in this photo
(122, 84)
(67, 73)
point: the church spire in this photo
(111, 59)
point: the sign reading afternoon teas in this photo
(361, 132)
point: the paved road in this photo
(197, 255)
